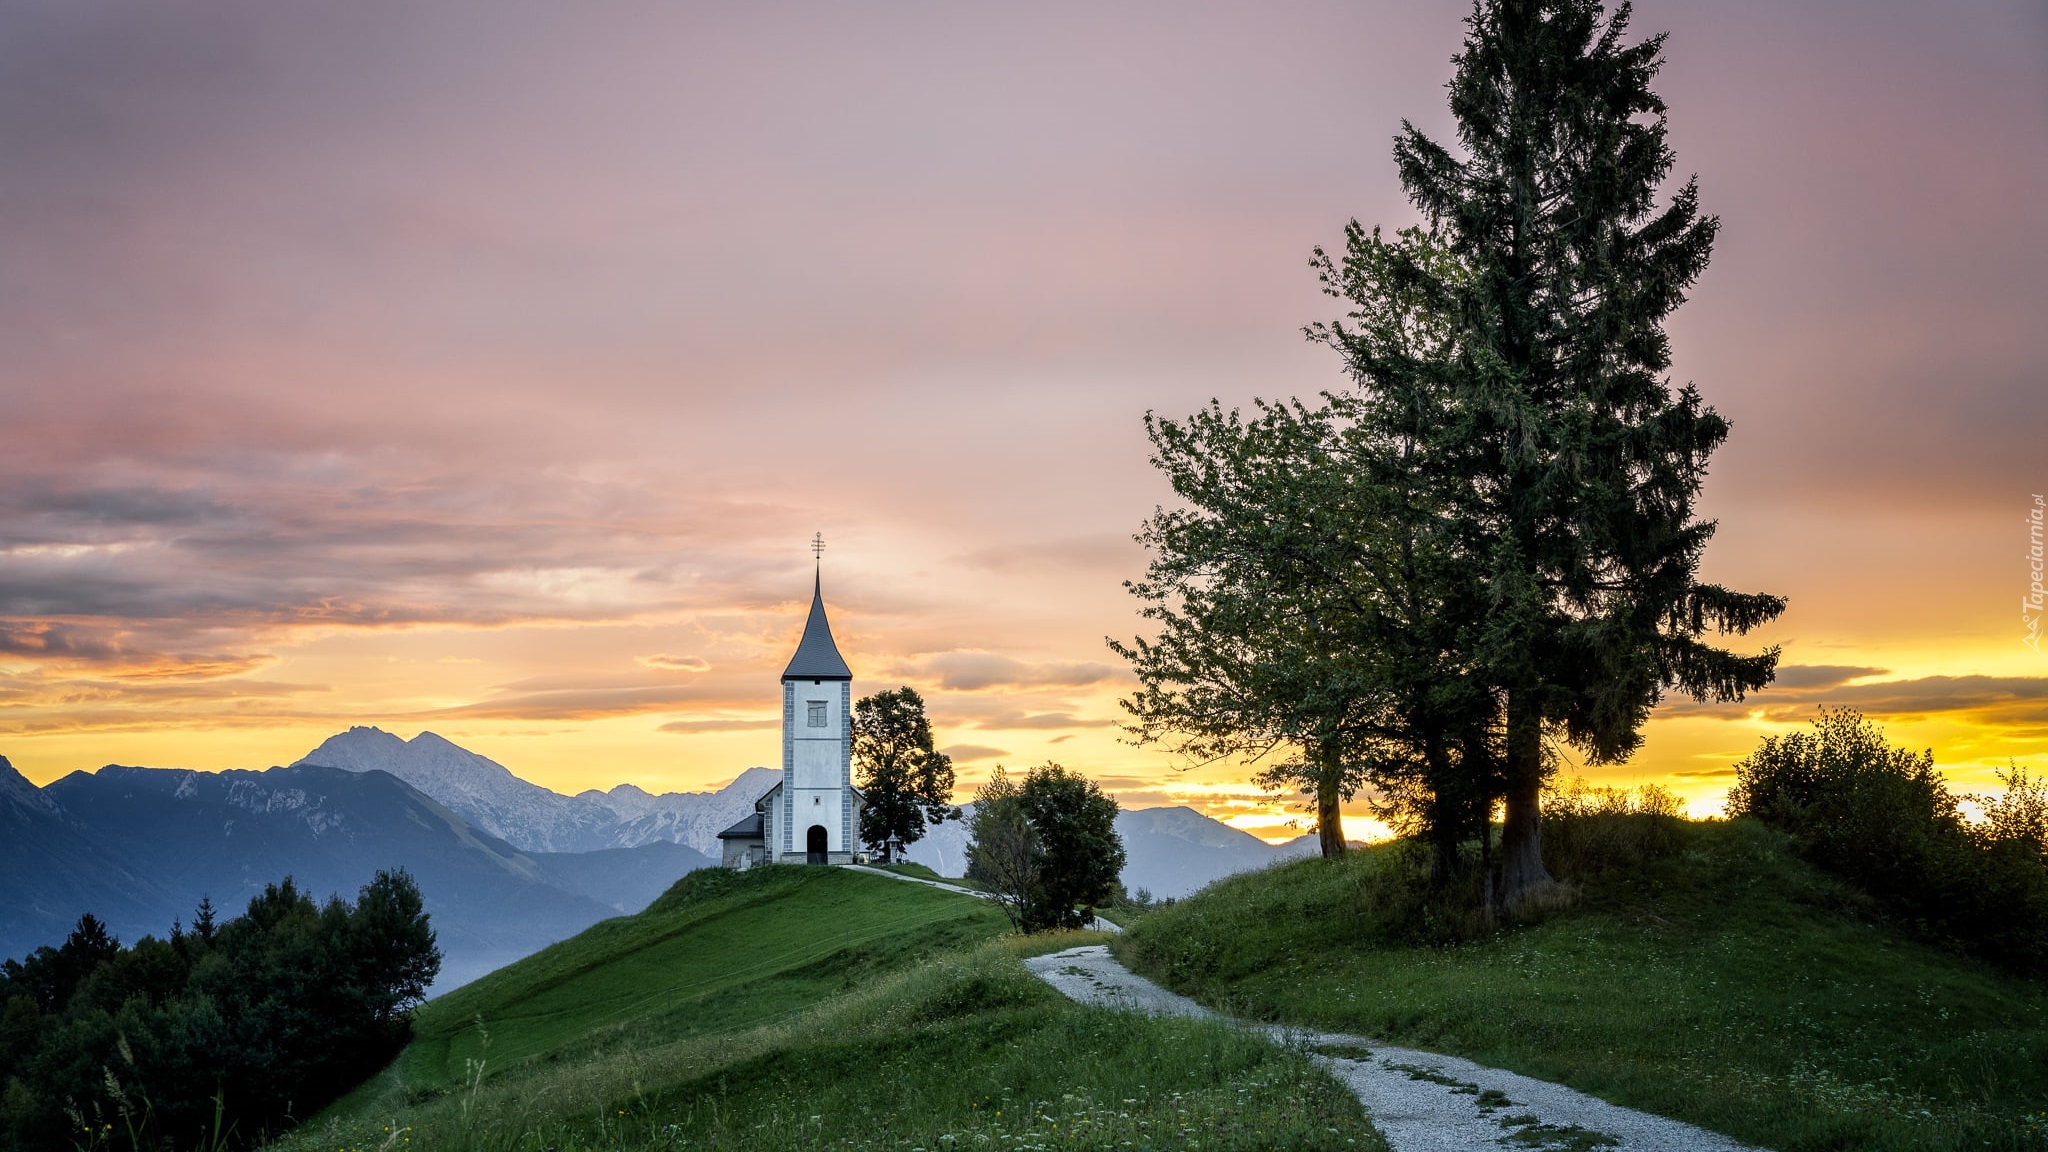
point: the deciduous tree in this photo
(1314, 611)
(904, 781)
(1005, 855)
(1047, 848)
(1081, 855)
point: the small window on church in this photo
(817, 713)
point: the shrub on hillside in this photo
(217, 1036)
(1884, 819)
(1589, 830)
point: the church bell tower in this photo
(818, 808)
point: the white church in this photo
(813, 815)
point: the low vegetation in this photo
(1884, 819)
(811, 1008)
(1700, 970)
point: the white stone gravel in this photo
(1420, 1101)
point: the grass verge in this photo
(931, 1035)
(1723, 982)
(922, 872)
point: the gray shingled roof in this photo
(747, 829)
(817, 657)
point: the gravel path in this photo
(1421, 1102)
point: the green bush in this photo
(1884, 819)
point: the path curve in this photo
(1420, 1101)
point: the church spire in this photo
(817, 657)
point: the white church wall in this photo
(815, 758)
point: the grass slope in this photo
(1725, 983)
(818, 1008)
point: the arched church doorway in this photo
(814, 844)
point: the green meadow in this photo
(1715, 978)
(817, 1008)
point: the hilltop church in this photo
(813, 815)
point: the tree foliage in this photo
(228, 1030)
(1586, 462)
(904, 781)
(1046, 848)
(1488, 550)
(1308, 609)
(1005, 855)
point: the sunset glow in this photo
(489, 372)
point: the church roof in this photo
(817, 657)
(747, 829)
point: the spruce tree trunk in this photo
(1329, 823)
(1522, 874)
(1443, 857)
(1446, 817)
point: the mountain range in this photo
(536, 819)
(505, 866)
(139, 847)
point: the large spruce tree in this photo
(1585, 461)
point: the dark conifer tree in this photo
(1586, 461)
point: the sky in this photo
(486, 368)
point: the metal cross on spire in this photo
(818, 546)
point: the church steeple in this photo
(817, 657)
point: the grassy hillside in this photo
(1722, 982)
(819, 1008)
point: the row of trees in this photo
(1486, 550)
(217, 1035)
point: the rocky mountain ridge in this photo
(537, 819)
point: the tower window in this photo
(817, 710)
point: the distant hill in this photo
(536, 819)
(1177, 851)
(506, 865)
(55, 870)
(1171, 852)
(627, 879)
